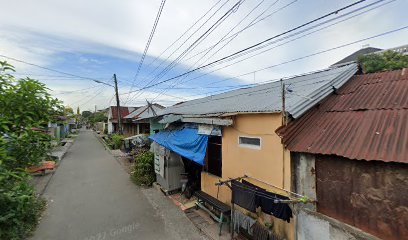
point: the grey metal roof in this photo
(354, 56)
(144, 112)
(303, 93)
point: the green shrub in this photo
(386, 61)
(143, 169)
(117, 140)
(26, 107)
(20, 209)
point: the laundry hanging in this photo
(242, 197)
(250, 197)
(243, 221)
(263, 200)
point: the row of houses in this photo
(135, 120)
(330, 146)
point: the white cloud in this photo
(34, 30)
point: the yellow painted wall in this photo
(270, 163)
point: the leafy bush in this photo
(25, 110)
(143, 169)
(19, 207)
(117, 140)
(386, 61)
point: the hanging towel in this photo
(264, 199)
(244, 196)
(278, 210)
(243, 221)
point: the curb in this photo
(103, 143)
(55, 170)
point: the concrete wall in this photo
(154, 125)
(110, 124)
(304, 176)
(270, 163)
(315, 226)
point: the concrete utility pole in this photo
(118, 104)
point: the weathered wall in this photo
(315, 226)
(304, 176)
(370, 195)
(270, 163)
(155, 125)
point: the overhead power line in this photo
(184, 33)
(196, 42)
(230, 38)
(189, 37)
(148, 42)
(335, 48)
(57, 71)
(253, 46)
(251, 24)
(328, 50)
(304, 35)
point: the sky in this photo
(95, 39)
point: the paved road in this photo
(91, 197)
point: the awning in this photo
(186, 142)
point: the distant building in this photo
(113, 117)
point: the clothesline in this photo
(275, 186)
(265, 195)
(301, 199)
(229, 180)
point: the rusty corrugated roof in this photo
(124, 111)
(367, 120)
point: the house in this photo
(113, 118)
(232, 134)
(142, 120)
(350, 152)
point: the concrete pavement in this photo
(91, 197)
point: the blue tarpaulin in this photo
(185, 142)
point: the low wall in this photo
(316, 226)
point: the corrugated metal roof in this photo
(306, 91)
(145, 111)
(366, 120)
(124, 111)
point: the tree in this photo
(25, 110)
(86, 114)
(68, 111)
(386, 61)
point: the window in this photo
(250, 142)
(214, 156)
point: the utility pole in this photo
(118, 104)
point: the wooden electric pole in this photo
(118, 104)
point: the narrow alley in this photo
(91, 197)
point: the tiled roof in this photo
(366, 120)
(305, 91)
